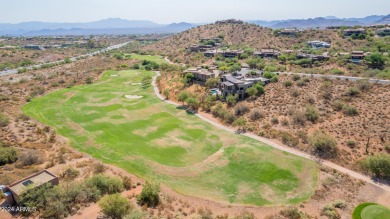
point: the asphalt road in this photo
(73, 59)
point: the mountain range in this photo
(122, 26)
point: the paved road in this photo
(279, 146)
(372, 80)
(15, 71)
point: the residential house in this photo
(350, 32)
(202, 74)
(267, 53)
(14, 191)
(34, 47)
(199, 48)
(239, 82)
(318, 44)
(312, 57)
(225, 53)
(357, 56)
(288, 32)
(383, 31)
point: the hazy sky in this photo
(167, 11)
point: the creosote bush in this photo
(324, 146)
(149, 195)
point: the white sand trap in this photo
(136, 83)
(114, 75)
(133, 97)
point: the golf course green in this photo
(121, 122)
(371, 211)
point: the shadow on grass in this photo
(188, 110)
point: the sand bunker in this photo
(133, 97)
(114, 75)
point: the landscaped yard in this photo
(118, 121)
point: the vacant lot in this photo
(154, 140)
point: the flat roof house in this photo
(202, 74)
(267, 53)
(318, 44)
(357, 56)
(239, 83)
(383, 31)
(15, 190)
(350, 32)
(313, 57)
(288, 32)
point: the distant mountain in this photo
(384, 20)
(367, 20)
(102, 26)
(180, 26)
(315, 23)
(266, 23)
(321, 22)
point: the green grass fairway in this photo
(158, 59)
(371, 211)
(157, 141)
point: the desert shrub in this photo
(330, 212)
(239, 122)
(183, 96)
(288, 83)
(245, 215)
(211, 82)
(4, 98)
(326, 90)
(364, 85)
(352, 91)
(7, 155)
(338, 105)
(289, 139)
(59, 201)
(377, 165)
(350, 110)
(339, 204)
(241, 109)
(292, 213)
(387, 147)
(149, 195)
(269, 75)
(301, 83)
(89, 80)
(284, 121)
(310, 99)
(114, 206)
(296, 77)
(324, 145)
(28, 158)
(127, 183)
(274, 79)
(38, 90)
(192, 103)
(351, 143)
(337, 72)
(274, 120)
(70, 173)
(231, 99)
(105, 184)
(205, 213)
(22, 117)
(255, 114)
(311, 113)
(295, 93)
(298, 117)
(4, 120)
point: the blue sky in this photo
(167, 11)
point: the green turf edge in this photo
(358, 210)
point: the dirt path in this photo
(279, 146)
